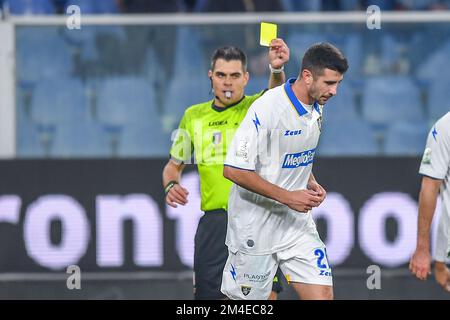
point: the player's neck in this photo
(301, 92)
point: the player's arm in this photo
(241, 160)
(315, 186)
(299, 200)
(175, 193)
(421, 259)
(278, 57)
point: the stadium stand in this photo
(121, 84)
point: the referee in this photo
(205, 130)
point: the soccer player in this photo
(435, 169)
(205, 130)
(270, 162)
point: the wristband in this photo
(169, 186)
(273, 70)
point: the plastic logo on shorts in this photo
(246, 290)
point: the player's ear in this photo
(210, 74)
(307, 76)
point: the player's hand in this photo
(302, 200)
(278, 53)
(442, 275)
(314, 186)
(177, 194)
(420, 264)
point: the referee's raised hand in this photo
(278, 53)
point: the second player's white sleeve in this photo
(243, 151)
(436, 157)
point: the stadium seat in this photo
(383, 4)
(349, 5)
(200, 5)
(390, 51)
(59, 102)
(387, 99)
(189, 56)
(36, 57)
(80, 139)
(406, 138)
(26, 7)
(439, 98)
(29, 142)
(126, 100)
(257, 84)
(85, 45)
(293, 5)
(347, 138)
(352, 49)
(106, 6)
(95, 7)
(86, 6)
(144, 141)
(429, 69)
(182, 93)
(300, 42)
(341, 107)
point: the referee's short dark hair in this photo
(229, 53)
(322, 56)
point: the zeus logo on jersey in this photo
(301, 159)
(292, 132)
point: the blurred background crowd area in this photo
(203, 6)
(120, 90)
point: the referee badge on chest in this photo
(217, 137)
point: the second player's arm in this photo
(315, 186)
(420, 262)
(299, 200)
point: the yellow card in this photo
(268, 33)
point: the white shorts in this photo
(249, 277)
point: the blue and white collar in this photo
(294, 101)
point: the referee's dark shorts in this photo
(211, 254)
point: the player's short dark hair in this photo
(322, 56)
(229, 53)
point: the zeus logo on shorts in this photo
(301, 159)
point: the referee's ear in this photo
(246, 77)
(211, 80)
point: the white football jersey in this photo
(436, 164)
(277, 139)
